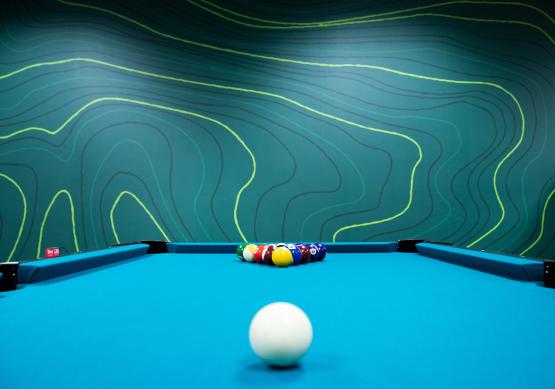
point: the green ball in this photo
(240, 249)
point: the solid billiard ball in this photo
(267, 254)
(258, 254)
(281, 244)
(305, 253)
(240, 250)
(248, 252)
(295, 253)
(282, 257)
(280, 334)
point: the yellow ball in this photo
(248, 252)
(282, 257)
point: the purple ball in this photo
(314, 252)
(322, 250)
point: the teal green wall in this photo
(281, 120)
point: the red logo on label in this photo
(52, 252)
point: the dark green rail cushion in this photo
(203, 248)
(502, 265)
(228, 248)
(42, 270)
(361, 247)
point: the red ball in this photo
(258, 254)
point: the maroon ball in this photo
(305, 252)
(267, 254)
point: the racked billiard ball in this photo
(305, 252)
(282, 257)
(295, 253)
(267, 254)
(258, 254)
(240, 250)
(314, 253)
(322, 250)
(248, 252)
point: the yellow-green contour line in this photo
(382, 68)
(23, 216)
(252, 91)
(542, 225)
(164, 108)
(138, 200)
(376, 15)
(45, 217)
(294, 102)
(376, 20)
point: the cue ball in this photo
(280, 334)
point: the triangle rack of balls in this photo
(281, 254)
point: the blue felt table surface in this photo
(389, 320)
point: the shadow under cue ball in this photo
(280, 334)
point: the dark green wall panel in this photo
(365, 121)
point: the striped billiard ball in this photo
(322, 250)
(258, 254)
(314, 253)
(248, 252)
(267, 254)
(240, 250)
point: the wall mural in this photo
(199, 120)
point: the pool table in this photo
(385, 315)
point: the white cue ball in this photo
(280, 333)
